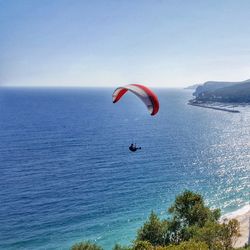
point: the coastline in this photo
(243, 216)
(202, 105)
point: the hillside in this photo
(237, 92)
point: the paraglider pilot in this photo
(133, 147)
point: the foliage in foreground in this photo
(192, 226)
(188, 245)
(119, 247)
(86, 246)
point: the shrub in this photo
(119, 247)
(188, 245)
(86, 246)
(143, 245)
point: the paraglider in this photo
(148, 97)
(145, 94)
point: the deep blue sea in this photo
(66, 173)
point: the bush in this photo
(188, 245)
(143, 245)
(119, 247)
(86, 246)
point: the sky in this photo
(98, 43)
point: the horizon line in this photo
(76, 86)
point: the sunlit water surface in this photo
(67, 174)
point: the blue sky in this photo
(159, 43)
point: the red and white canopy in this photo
(145, 94)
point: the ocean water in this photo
(67, 174)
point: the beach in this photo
(243, 216)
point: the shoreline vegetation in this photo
(192, 226)
(221, 95)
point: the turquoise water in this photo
(67, 174)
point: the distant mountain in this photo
(224, 91)
(211, 86)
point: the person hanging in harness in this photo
(133, 147)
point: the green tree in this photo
(154, 231)
(189, 209)
(176, 233)
(86, 246)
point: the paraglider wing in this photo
(145, 94)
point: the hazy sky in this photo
(112, 42)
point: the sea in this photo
(66, 174)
